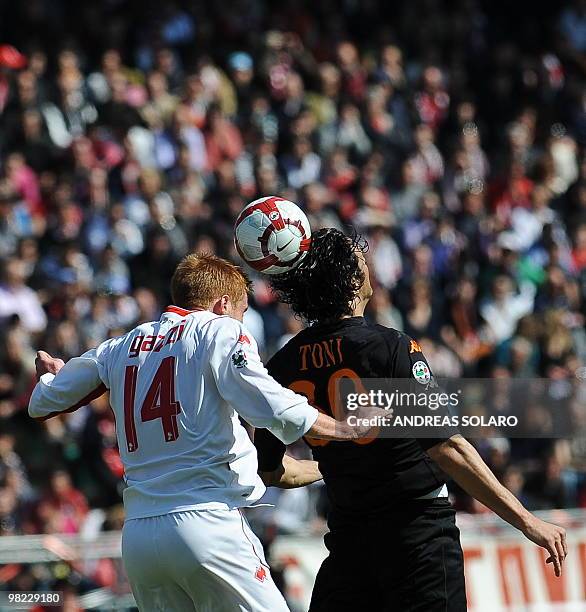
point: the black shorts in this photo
(410, 560)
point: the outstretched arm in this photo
(460, 460)
(64, 387)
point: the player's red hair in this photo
(202, 278)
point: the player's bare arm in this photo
(327, 428)
(460, 460)
(292, 473)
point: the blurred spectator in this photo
(428, 164)
(13, 473)
(16, 299)
(505, 307)
(432, 100)
(302, 166)
(63, 507)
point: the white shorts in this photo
(202, 561)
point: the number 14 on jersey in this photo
(159, 402)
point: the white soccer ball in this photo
(272, 235)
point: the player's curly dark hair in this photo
(326, 281)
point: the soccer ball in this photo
(272, 235)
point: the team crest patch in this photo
(421, 372)
(239, 359)
(260, 574)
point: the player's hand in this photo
(44, 364)
(552, 538)
(366, 422)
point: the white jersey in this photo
(177, 386)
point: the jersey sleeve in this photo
(245, 384)
(80, 380)
(409, 362)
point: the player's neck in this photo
(359, 307)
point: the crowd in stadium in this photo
(128, 140)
